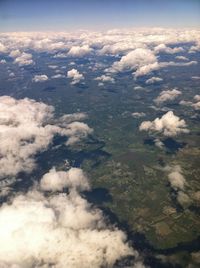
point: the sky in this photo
(35, 15)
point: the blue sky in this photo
(32, 15)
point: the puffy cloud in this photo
(153, 80)
(142, 61)
(138, 115)
(182, 58)
(196, 196)
(197, 97)
(146, 69)
(168, 125)
(11, 74)
(195, 105)
(119, 47)
(69, 118)
(195, 48)
(56, 76)
(167, 95)
(158, 143)
(28, 127)
(77, 131)
(60, 229)
(105, 78)
(178, 183)
(185, 103)
(2, 48)
(169, 50)
(134, 60)
(24, 59)
(40, 78)
(75, 75)
(58, 180)
(176, 179)
(79, 51)
(183, 199)
(15, 53)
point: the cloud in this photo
(24, 59)
(197, 97)
(168, 125)
(167, 95)
(158, 143)
(146, 69)
(58, 180)
(2, 61)
(195, 105)
(185, 103)
(178, 183)
(79, 51)
(53, 66)
(169, 50)
(57, 76)
(69, 118)
(142, 61)
(105, 78)
(195, 48)
(153, 80)
(119, 47)
(2, 48)
(182, 58)
(138, 88)
(59, 230)
(134, 60)
(40, 78)
(183, 199)
(195, 77)
(138, 115)
(77, 131)
(110, 42)
(176, 179)
(28, 127)
(15, 53)
(75, 75)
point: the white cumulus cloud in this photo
(167, 95)
(79, 51)
(168, 125)
(176, 179)
(105, 78)
(169, 50)
(59, 230)
(75, 76)
(28, 127)
(40, 78)
(153, 80)
(134, 60)
(24, 59)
